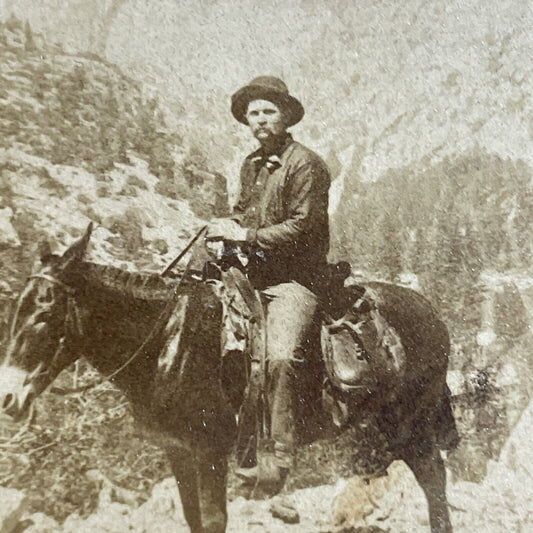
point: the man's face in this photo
(265, 119)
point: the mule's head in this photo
(36, 350)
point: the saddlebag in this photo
(361, 350)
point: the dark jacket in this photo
(284, 203)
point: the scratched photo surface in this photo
(164, 266)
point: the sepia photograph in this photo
(266, 267)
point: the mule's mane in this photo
(138, 285)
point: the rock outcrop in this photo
(13, 504)
(80, 142)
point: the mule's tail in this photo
(447, 436)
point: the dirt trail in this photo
(502, 502)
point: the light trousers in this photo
(291, 316)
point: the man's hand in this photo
(224, 229)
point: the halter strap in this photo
(74, 317)
(55, 281)
(40, 275)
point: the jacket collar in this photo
(272, 158)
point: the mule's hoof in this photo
(284, 511)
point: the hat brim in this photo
(291, 106)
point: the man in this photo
(281, 219)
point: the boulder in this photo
(13, 504)
(8, 235)
(41, 523)
(394, 499)
(113, 518)
(163, 511)
(503, 501)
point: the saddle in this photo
(361, 352)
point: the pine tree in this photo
(388, 252)
(29, 42)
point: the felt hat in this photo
(267, 88)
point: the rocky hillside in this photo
(80, 142)
(502, 502)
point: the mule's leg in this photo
(183, 465)
(212, 481)
(425, 461)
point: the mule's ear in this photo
(76, 252)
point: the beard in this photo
(268, 137)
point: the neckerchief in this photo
(272, 160)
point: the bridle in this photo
(72, 309)
(43, 275)
(73, 317)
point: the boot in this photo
(267, 477)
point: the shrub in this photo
(129, 227)
(91, 214)
(103, 192)
(129, 190)
(84, 199)
(172, 189)
(161, 246)
(135, 181)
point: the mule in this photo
(138, 324)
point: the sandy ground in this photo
(395, 503)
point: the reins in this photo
(183, 252)
(121, 368)
(99, 381)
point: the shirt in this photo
(284, 203)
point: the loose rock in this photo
(13, 504)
